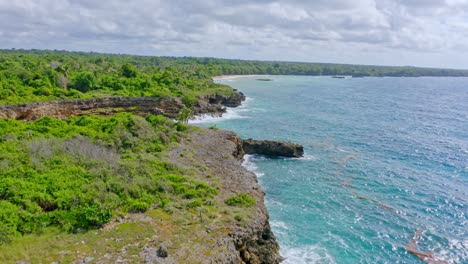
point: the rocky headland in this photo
(228, 235)
(250, 240)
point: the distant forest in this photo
(40, 75)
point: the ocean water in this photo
(384, 157)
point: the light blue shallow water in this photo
(384, 157)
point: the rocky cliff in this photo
(170, 107)
(250, 241)
(226, 234)
(215, 104)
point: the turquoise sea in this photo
(384, 158)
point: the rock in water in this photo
(272, 148)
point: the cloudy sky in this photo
(430, 33)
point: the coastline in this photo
(235, 76)
(244, 232)
(251, 239)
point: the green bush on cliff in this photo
(241, 200)
(78, 173)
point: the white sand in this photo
(225, 77)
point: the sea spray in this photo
(231, 113)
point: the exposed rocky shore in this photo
(253, 241)
(272, 148)
(216, 104)
(170, 107)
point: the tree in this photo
(129, 70)
(85, 81)
(184, 115)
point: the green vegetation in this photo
(35, 75)
(241, 200)
(79, 173)
(85, 81)
(184, 115)
(32, 76)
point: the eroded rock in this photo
(215, 104)
(272, 148)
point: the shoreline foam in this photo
(231, 113)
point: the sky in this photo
(428, 33)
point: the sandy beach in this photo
(225, 77)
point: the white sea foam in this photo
(251, 166)
(307, 157)
(231, 113)
(307, 254)
(279, 225)
(457, 252)
(279, 228)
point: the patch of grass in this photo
(241, 200)
(214, 127)
(55, 246)
(195, 203)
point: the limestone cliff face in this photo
(101, 106)
(170, 107)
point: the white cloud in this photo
(408, 32)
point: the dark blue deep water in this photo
(384, 158)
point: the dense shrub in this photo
(241, 200)
(85, 81)
(76, 173)
(129, 70)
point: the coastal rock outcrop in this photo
(253, 241)
(272, 148)
(215, 104)
(170, 107)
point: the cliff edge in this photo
(251, 239)
(213, 104)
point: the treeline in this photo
(27, 76)
(39, 75)
(222, 66)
